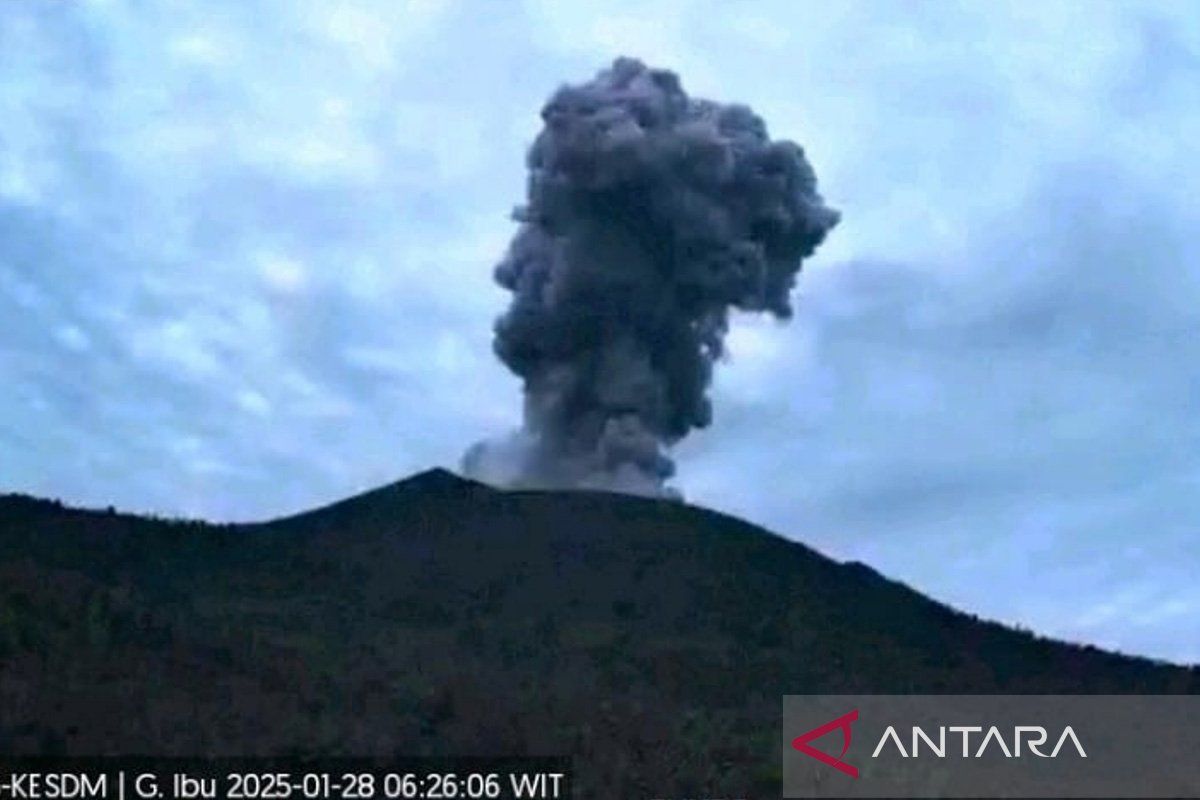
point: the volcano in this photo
(647, 639)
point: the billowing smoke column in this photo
(649, 216)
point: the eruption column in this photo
(649, 216)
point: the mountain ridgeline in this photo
(649, 640)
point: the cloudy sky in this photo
(246, 253)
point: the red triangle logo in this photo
(843, 722)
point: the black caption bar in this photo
(141, 778)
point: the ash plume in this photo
(650, 214)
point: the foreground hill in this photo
(649, 640)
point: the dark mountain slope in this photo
(650, 640)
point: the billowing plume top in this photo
(649, 216)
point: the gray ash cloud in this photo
(649, 216)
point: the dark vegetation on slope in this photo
(650, 640)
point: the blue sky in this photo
(246, 252)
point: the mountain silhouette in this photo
(648, 639)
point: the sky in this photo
(246, 252)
